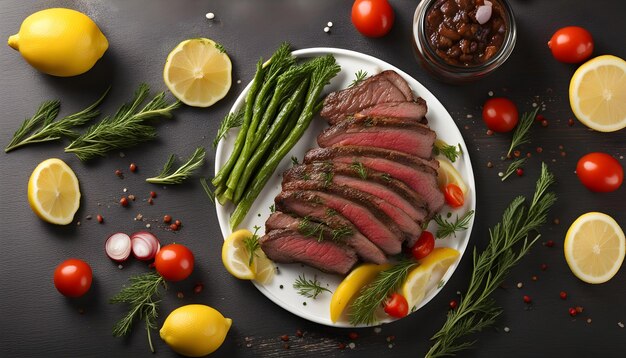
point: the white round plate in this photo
(280, 289)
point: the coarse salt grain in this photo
(507, 329)
(378, 330)
(500, 174)
(519, 285)
(120, 267)
(352, 345)
(210, 15)
(148, 226)
(620, 324)
(490, 93)
(329, 24)
(327, 29)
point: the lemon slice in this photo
(53, 192)
(198, 72)
(351, 285)
(265, 268)
(594, 247)
(597, 93)
(428, 274)
(235, 256)
(447, 174)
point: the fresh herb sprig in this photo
(359, 169)
(309, 288)
(359, 76)
(512, 168)
(207, 189)
(364, 307)
(510, 240)
(447, 228)
(452, 152)
(170, 176)
(125, 129)
(252, 244)
(49, 129)
(522, 132)
(143, 296)
(232, 120)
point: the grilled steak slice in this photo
(408, 110)
(373, 90)
(287, 246)
(383, 186)
(408, 229)
(409, 169)
(386, 238)
(403, 135)
(398, 81)
(340, 229)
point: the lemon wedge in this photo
(265, 268)
(594, 247)
(428, 274)
(597, 93)
(350, 287)
(198, 72)
(447, 174)
(235, 256)
(53, 192)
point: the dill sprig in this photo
(252, 244)
(360, 75)
(170, 176)
(516, 164)
(49, 128)
(452, 152)
(143, 295)
(522, 132)
(509, 242)
(294, 160)
(207, 189)
(220, 48)
(232, 120)
(363, 309)
(125, 129)
(320, 231)
(359, 169)
(447, 228)
(309, 288)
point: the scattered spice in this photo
(178, 223)
(391, 338)
(139, 217)
(124, 201)
(570, 122)
(620, 324)
(540, 118)
(579, 309)
(520, 285)
(119, 174)
(572, 312)
(588, 320)
(150, 201)
(180, 294)
(284, 338)
(539, 149)
(489, 132)
(556, 221)
(563, 154)
(99, 218)
(281, 287)
(299, 333)
(353, 335)
(507, 329)
(341, 346)
(527, 299)
(133, 167)
(519, 172)
(351, 345)
(326, 29)
(563, 295)
(286, 346)
(550, 243)
(210, 15)
(489, 165)
(517, 153)
(544, 267)
(153, 194)
(534, 278)
(174, 227)
(198, 288)
(131, 197)
(453, 304)
(329, 24)
(528, 155)
(88, 217)
(167, 219)
(544, 123)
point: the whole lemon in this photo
(60, 42)
(195, 330)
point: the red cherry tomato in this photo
(500, 114)
(373, 18)
(423, 246)
(571, 44)
(397, 306)
(174, 262)
(453, 195)
(600, 172)
(73, 277)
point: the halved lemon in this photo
(594, 247)
(53, 192)
(198, 72)
(447, 174)
(351, 285)
(236, 257)
(597, 93)
(428, 274)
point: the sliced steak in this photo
(403, 135)
(408, 110)
(411, 170)
(373, 90)
(288, 246)
(384, 211)
(383, 186)
(398, 81)
(318, 215)
(380, 233)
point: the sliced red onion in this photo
(483, 13)
(144, 245)
(118, 247)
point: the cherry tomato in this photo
(373, 18)
(500, 114)
(423, 246)
(600, 172)
(397, 306)
(73, 277)
(571, 44)
(174, 262)
(453, 195)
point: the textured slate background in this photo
(35, 321)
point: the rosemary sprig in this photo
(294, 160)
(522, 132)
(447, 228)
(232, 120)
(252, 244)
(220, 48)
(516, 164)
(320, 232)
(359, 169)
(143, 296)
(50, 129)
(125, 129)
(477, 309)
(360, 75)
(452, 152)
(170, 176)
(207, 189)
(363, 309)
(309, 288)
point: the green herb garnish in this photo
(447, 228)
(359, 169)
(360, 75)
(170, 176)
(516, 164)
(309, 288)
(452, 152)
(220, 48)
(209, 193)
(522, 132)
(252, 244)
(232, 120)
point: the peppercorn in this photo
(544, 123)
(534, 278)
(539, 149)
(526, 299)
(563, 295)
(549, 243)
(341, 346)
(174, 227)
(540, 117)
(570, 122)
(489, 132)
(100, 218)
(453, 304)
(124, 201)
(167, 219)
(519, 172)
(198, 288)
(133, 167)
(150, 201)
(284, 338)
(572, 312)
(153, 194)
(517, 153)
(299, 333)
(178, 223)
(180, 294)
(119, 173)
(544, 267)
(353, 335)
